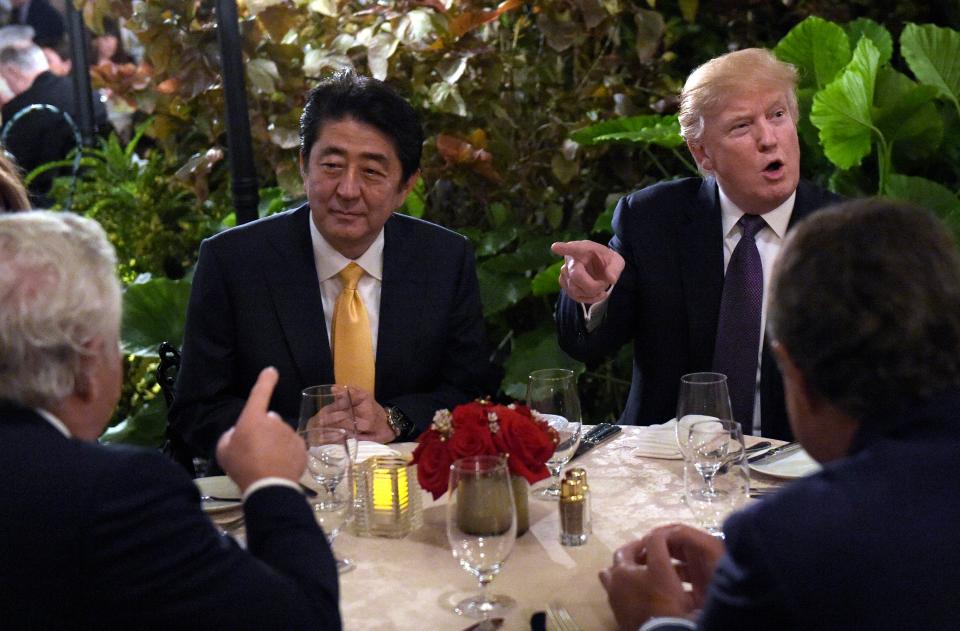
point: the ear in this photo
(701, 155)
(303, 167)
(794, 379)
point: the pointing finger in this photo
(259, 400)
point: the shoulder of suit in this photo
(412, 227)
(255, 230)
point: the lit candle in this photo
(390, 486)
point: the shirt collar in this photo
(777, 219)
(53, 420)
(329, 262)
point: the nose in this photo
(349, 185)
(765, 134)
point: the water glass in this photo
(329, 406)
(716, 475)
(330, 465)
(481, 527)
(703, 396)
(553, 394)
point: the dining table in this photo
(414, 582)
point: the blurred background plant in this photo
(538, 114)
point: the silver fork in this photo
(562, 617)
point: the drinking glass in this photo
(329, 406)
(703, 397)
(553, 394)
(481, 527)
(329, 463)
(716, 477)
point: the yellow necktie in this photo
(352, 345)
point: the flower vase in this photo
(521, 491)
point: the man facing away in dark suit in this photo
(865, 323)
(678, 280)
(95, 537)
(276, 291)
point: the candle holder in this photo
(388, 498)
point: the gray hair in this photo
(28, 59)
(866, 299)
(58, 294)
(19, 35)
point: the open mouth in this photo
(773, 167)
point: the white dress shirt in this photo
(769, 241)
(329, 262)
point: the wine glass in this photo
(329, 463)
(716, 478)
(703, 397)
(481, 527)
(553, 394)
(329, 406)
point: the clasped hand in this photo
(643, 581)
(364, 414)
(589, 270)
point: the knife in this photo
(597, 435)
(783, 450)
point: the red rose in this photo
(471, 440)
(470, 415)
(433, 461)
(527, 444)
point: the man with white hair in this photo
(685, 275)
(40, 136)
(100, 537)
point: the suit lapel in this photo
(700, 244)
(401, 302)
(296, 294)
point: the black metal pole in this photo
(239, 146)
(82, 90)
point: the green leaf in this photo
(905, 112)
(933, 54)
(923, 192)
(146, 427)
(493, 241)
(648, 129)
(842, 111)
(547, 281)
(534, 350)
(415, 204)
(877, 33)
(688, 8)
(498, 215)
(263, 75)
(532, 254)
(154, 311)
(818, 48)
(500, 291)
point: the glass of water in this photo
(553, 394)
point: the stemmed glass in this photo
(329, 463)
(553, 394)
(703, 397)
(716, 479)
(481, 527)
(329, 406)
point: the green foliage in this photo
(154, 311)
(819, 49)
(933, 55)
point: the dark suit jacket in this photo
(94, 537)
(42, 136)
(667, 301)
(48, 24)
(868, 543)
(256, 302)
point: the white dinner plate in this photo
(796, 464)
(220, 486)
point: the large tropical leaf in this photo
(818, 48)
(905, 113)
(923, 192)
(500, 291)
(877, 33)
(649, 129)
(547, 281)
(842, 110)
(933, 54)
(145, 427)
(154, 311)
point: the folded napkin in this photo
(369, 449)
(657, 441)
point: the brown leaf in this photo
(279, 20)
(466, 22)
(457, 152)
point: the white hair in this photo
(59, 295)
(28, 59)
(19, 35)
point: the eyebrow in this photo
(367, 155)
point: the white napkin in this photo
(369, 449)
(657, 441)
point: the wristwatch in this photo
(398, 422)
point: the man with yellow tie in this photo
(340, 290)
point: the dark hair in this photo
(866, 300)
(369, 101)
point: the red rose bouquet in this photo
(483, 428)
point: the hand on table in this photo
(261, 444)
(589, 270)
(370, 416)
(643, 582)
